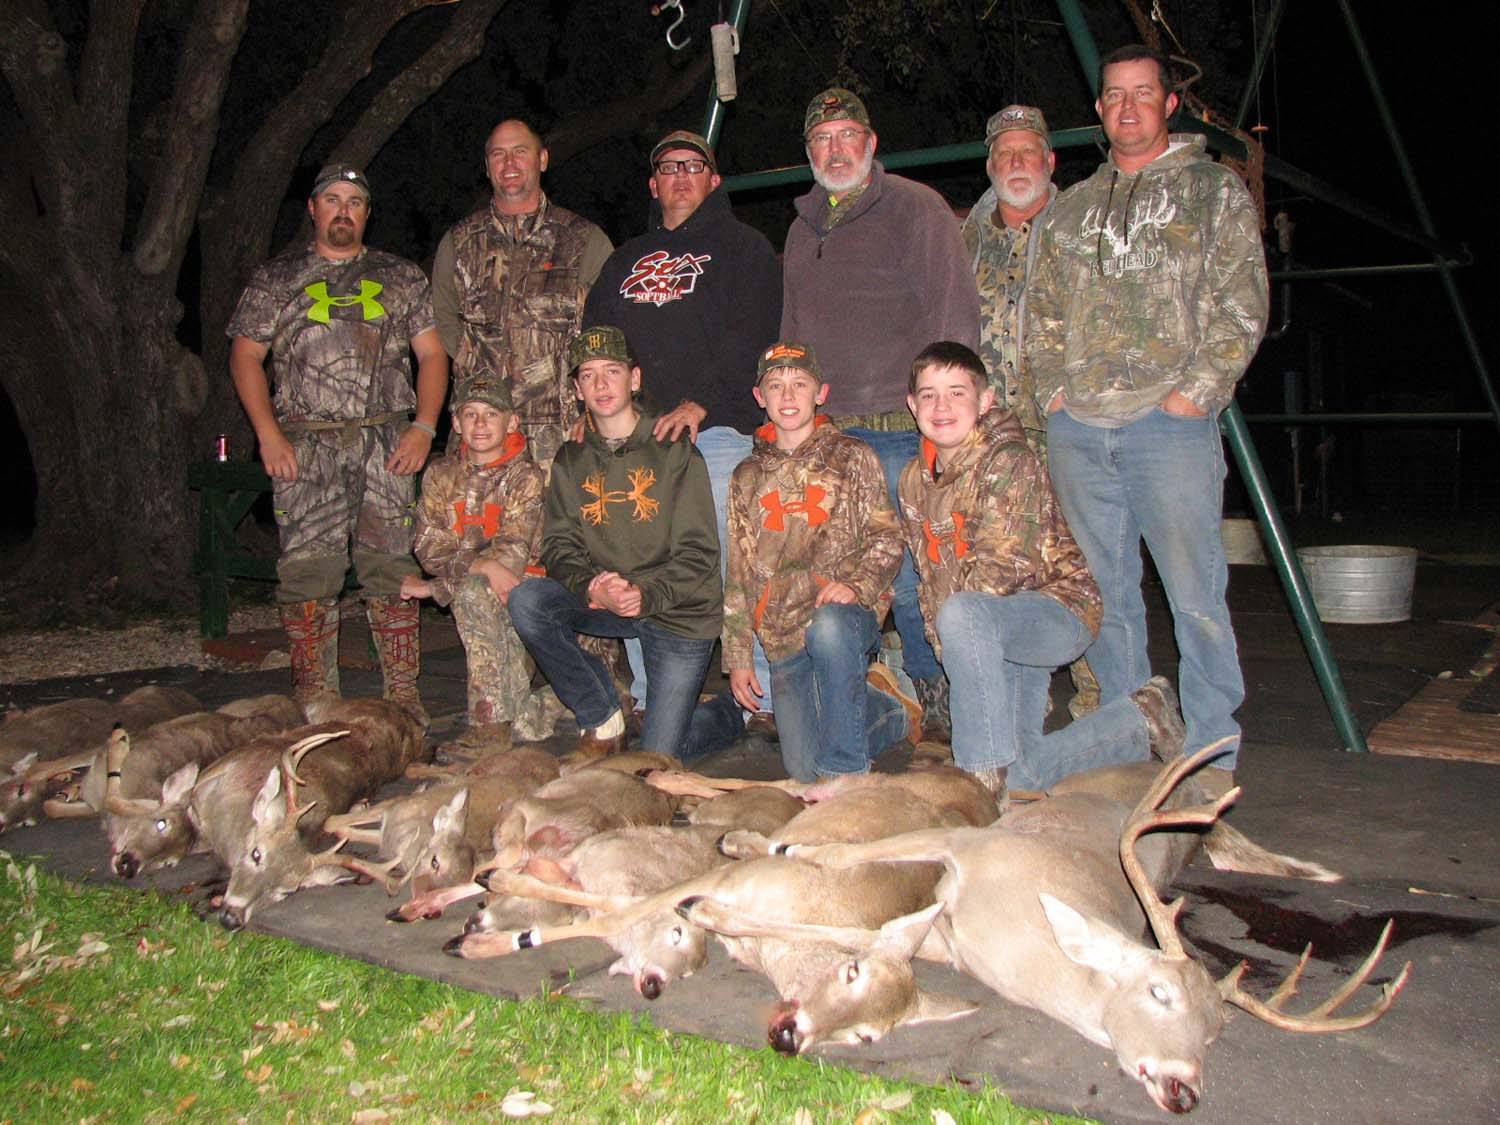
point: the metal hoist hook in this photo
(658, 9)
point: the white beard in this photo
(839, 181)
(1022, 198)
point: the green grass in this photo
(119, 1006)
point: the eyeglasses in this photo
(672, 167)
(845, 137)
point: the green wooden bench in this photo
(229, 490)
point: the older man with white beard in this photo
(874, 271)
(1002, 234)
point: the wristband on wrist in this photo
(430, 431)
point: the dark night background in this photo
(931, 74)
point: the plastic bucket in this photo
(1360, 585)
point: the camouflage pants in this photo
(499, 669)
(343, 497)
(544, 440)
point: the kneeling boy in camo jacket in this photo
(479, 529)
(813, 548)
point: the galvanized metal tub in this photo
(1360, 585)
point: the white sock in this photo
(612, 727)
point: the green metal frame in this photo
(229, 490)
(1232, 423)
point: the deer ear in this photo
(900, 938)
(933, 1007)
(177, 788)
(1089, 942)
(269, 810)
(452, 817)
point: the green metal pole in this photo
(1424, 217)
(713, 118)
(1233, 425)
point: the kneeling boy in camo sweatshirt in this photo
(1006, 596)
(813, 548)
(479, 528)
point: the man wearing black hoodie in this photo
(699, 297)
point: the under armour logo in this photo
(641, 480)
(322, 302)
(811, 506)
(488, 519)
(936, 542)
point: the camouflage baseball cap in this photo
(331, 173)
(601, 341)
(681, 138)
(835, 104)
(483, 386)
(1026, 117)
(788, 353)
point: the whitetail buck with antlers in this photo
(1044, 908)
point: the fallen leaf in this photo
(371, 1115)
(868, 1116)
(357, 1089)
(523, 1103)
(92, 948)
(465, 1022)
(347, 1047)
(802, 1116)
(942, 1117)
(182, 1021)
(181, 1062)
(259, 1074)
(899, 1100)
(328, 1005)
(185, 1102)
(250, 1052)
(81, 1084)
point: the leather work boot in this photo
(478, 740)
(312, 632)
(602, 741)
(395, 625)
(1156, 700)
(937, 723)
(884, 680)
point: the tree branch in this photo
(182, 166)
(460, 43)
(34, 60)
(105, 72)
(663, 88)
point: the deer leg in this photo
(433, 903)
(685, 783)
(528, 886)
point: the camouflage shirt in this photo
(339, 331)
(470, 512)
(1002, 258)
(508, 292)
(1146, 283)
(798, 521)
(991, 523)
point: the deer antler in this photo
(1320, 1018)
(291, 757)
(1147, 817)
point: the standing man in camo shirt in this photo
(508, 285)
(336, 319)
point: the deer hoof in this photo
(396, 915)
(454, 947)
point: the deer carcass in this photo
(366, 743)
(429, 838)
(777, 887)
(42, 749)
(1045, 909)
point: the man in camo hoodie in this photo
(1147, 302)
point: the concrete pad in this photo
(1414, 838)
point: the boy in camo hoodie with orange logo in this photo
(1005, 593)
(813, 548)
(479, 528)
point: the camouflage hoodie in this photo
(798, 521)
(1147, 282)
(470, 512)
(991, 523)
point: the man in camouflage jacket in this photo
(481, 511)
(813, 549)
(336, 319)
(508, 286)
(1147, 303)
(1006, 595)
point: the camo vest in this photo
(520, 298)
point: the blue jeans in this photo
(830, 721)
(723, 449)
(999, 653)
(1160, 478)
(895, 449)
(546, 616)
